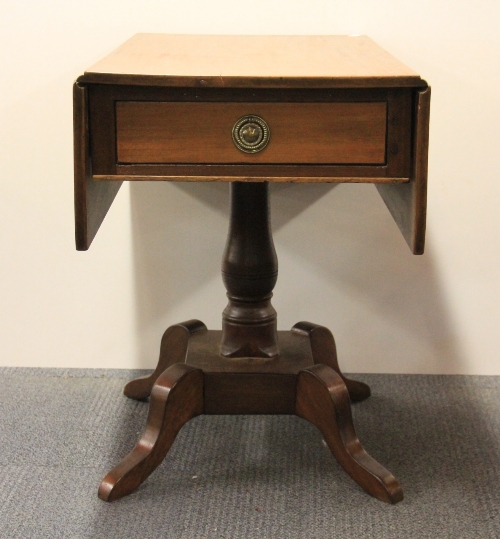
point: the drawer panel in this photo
(300, 133)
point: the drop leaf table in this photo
(250, 110)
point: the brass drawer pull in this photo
(251, 134)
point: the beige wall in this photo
(342, 261)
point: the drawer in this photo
(308, 133)
(185, 133)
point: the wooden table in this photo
(250, 110)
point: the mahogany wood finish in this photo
(97, 160)
(313, 133)
(252, 62)
(323, 399)
(108, 119)
(249, 272)
(339, 109)
(290, 383)
(249, 367)
(173, 173)
(92, 199)
(173, 349)
(181, 75)
(177, 397)
(408, 203)
(324, 351)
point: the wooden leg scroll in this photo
(173, 349)
(324, 352)
(323, 399)
(177, 397)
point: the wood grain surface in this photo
(323, 399)
(173, 349)
(316, 133)
(176, 397)
(92, 198)
(251, 61)
(104, 144)
(408, 203)
(127, 93)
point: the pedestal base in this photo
(193, 378)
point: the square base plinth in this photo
(250, 385)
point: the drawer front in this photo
(300, 133)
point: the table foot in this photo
(173, 349)
(324, 352)
(176, 397)
(323, 399)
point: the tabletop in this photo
(264, 61)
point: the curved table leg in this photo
(177, 397)
(322, 399)
(324, 352)
(173, 349)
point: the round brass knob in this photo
(251, 134)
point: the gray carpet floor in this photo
(252, 477)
